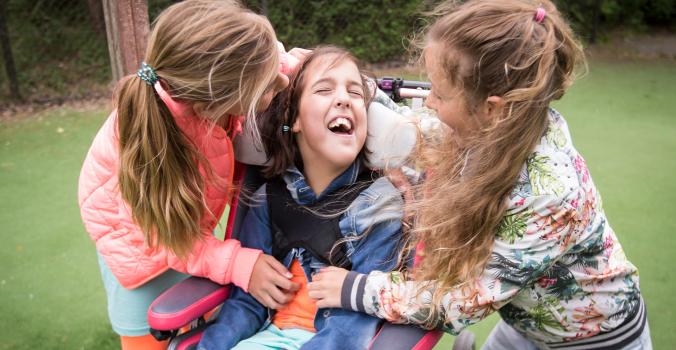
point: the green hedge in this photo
(374, 31)
(378, 30)
(591, 18)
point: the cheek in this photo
(430, 102)
(361, 117)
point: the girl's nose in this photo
(345, 104)
(343, 100)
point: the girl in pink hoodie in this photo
(158, 175)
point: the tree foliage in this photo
(590, 17)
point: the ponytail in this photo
(158, 174)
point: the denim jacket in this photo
(377, 210)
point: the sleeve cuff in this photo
(352, 294)
(243, 267)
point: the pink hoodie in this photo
(108, 220)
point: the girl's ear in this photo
(492, 109)
(296, 126)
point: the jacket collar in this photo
(302, 192)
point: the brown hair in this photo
(211, 52)
(528, 64)
(280, 145)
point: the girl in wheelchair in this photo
(320, 206)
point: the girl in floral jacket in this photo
(509, 219)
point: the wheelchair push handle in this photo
(399, 89)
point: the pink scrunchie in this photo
(540, 14)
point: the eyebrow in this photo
(331, 80)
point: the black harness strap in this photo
(315, 227)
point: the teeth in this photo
(340, 122)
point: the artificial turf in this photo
(621, 115)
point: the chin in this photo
(344, 160)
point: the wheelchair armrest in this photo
(404, 337)
(185, 302)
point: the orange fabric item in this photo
(144, 342)
(300, 311)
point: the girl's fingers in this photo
(277, 295)
(317, 277)
(321, 304)
(269, 302)
(299, 53)
(277, 266)
(314, 294)
(283, 283)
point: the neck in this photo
(319, 175)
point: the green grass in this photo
(621, 116)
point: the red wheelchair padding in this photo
(185, 302)
(187, 341)
(404, 337)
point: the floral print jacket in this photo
(557, 273)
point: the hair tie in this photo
(540, 14)
(147, 74)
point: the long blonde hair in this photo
(215, 53)
(528, 64)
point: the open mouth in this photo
(341, 125)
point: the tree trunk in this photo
(127, 31)
(7, 53)
(96, 17)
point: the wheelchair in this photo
(185, 304)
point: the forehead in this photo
(444, 66)
(332, 66)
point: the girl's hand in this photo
(401, 182)
(270, 283)
(326, 286)
(299, 54)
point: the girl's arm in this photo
(223, 262)
(241, 315)
(551, 225)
